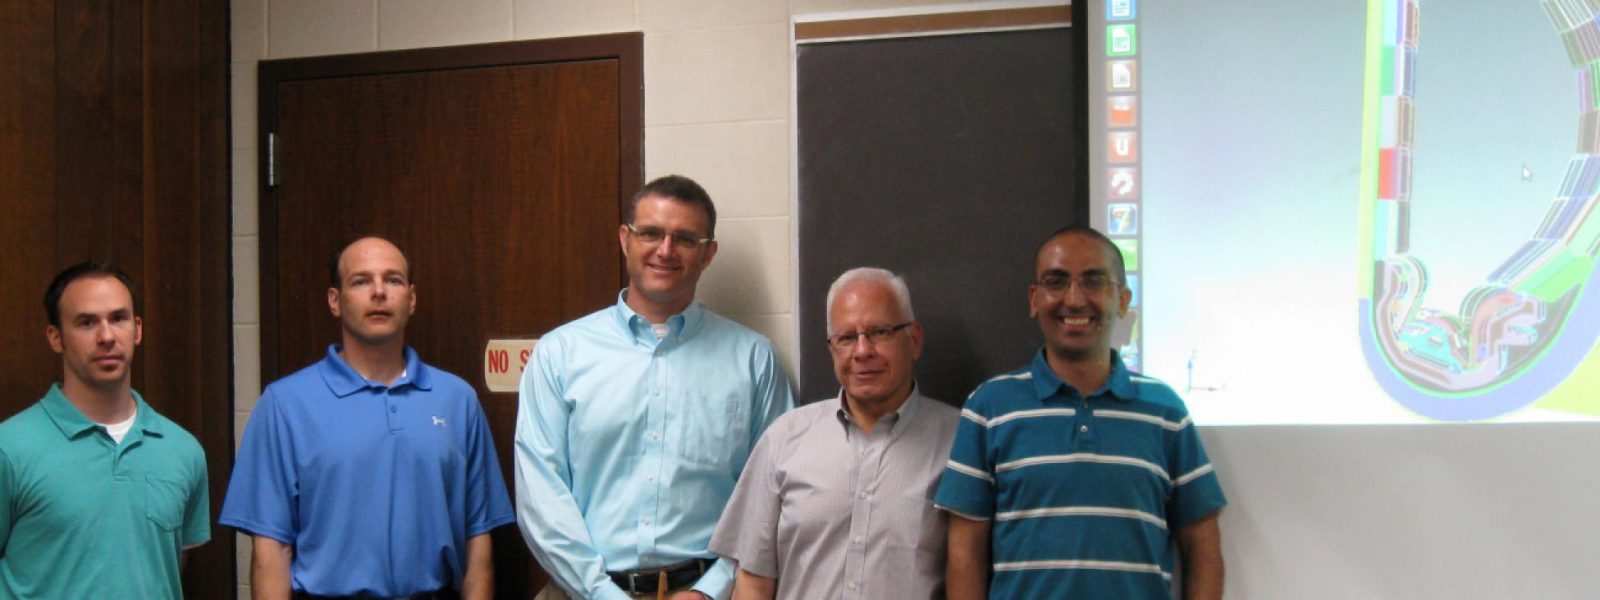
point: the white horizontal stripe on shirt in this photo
(1082, 511)
(1193, 475)
(1037, 412)
(971, 415)
(1082, 457)
(970, 471)
(1151, 419)
(1109, 565)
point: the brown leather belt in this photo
(648, 581)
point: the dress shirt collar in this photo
(1119, 386)
(71, 422)
(897, 421)
(343, 380)
(681, 325)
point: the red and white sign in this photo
(503, 362)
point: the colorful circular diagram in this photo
(1526, 335)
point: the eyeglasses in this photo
(654, 235)
(876, 335)
(1093, 282)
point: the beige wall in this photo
(716, 108)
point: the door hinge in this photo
(272, 160)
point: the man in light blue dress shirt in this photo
(635, 421)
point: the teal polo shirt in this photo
(82, 516)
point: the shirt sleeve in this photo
(773, 395)
(488, 503)
(1196, 491)
(967, 487)
(8, 496)
(748, 529)
(197, 511)
(263, 493)
(547, 513)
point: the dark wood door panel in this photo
(503, 183)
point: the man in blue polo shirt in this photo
(1075, 473)
(98, 493)
(369, 473)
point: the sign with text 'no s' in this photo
(503, 362)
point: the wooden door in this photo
(502, 170)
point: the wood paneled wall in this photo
(114, 145)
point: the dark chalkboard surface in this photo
(946, 159)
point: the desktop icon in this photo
(1122, 219)
(1121, 10)
(1122, 75)
(1122, 146)
(1121, 40)
(1122, 111)
(1122, 183)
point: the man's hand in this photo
(269, 568)
(967, 568)
(689, 595)
(1200, 543)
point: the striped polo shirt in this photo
(1085, 493)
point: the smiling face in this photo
(1077, 324)
(97, 336)
(873, 373)
(375, 298)
(662, 276)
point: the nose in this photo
(664, 248)
(104, 334)
(1074, 295)
(864, 347)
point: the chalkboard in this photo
(946, 159)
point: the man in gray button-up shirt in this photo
(836, 499)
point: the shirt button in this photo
(394, 409)
(858, 539)
(852, 586)
(649, 477)
(647, 520)
(1083, 428)
(655, 435)
(863, 495)
(655, 392)
(647, 558)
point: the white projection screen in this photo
(1355, 212)
(1362, 239)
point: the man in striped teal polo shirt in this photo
(1075, 473)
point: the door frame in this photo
(626, 48)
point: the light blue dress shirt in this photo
(628, 446)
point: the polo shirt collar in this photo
(680, 325)
(1118, 387)
(72, 423)
(343, 380)
(899, 420)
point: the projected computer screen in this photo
(1346, 212)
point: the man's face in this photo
(98, 333)
(665, 272)
(1076, 322)
(873, 372)
(375, 297)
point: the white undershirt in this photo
(120, 430)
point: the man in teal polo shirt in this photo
(99, 495)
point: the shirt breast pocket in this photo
(164, 501)
(715, 428)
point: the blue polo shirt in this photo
(376, 487)
(1084, 491)
(82, 516)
